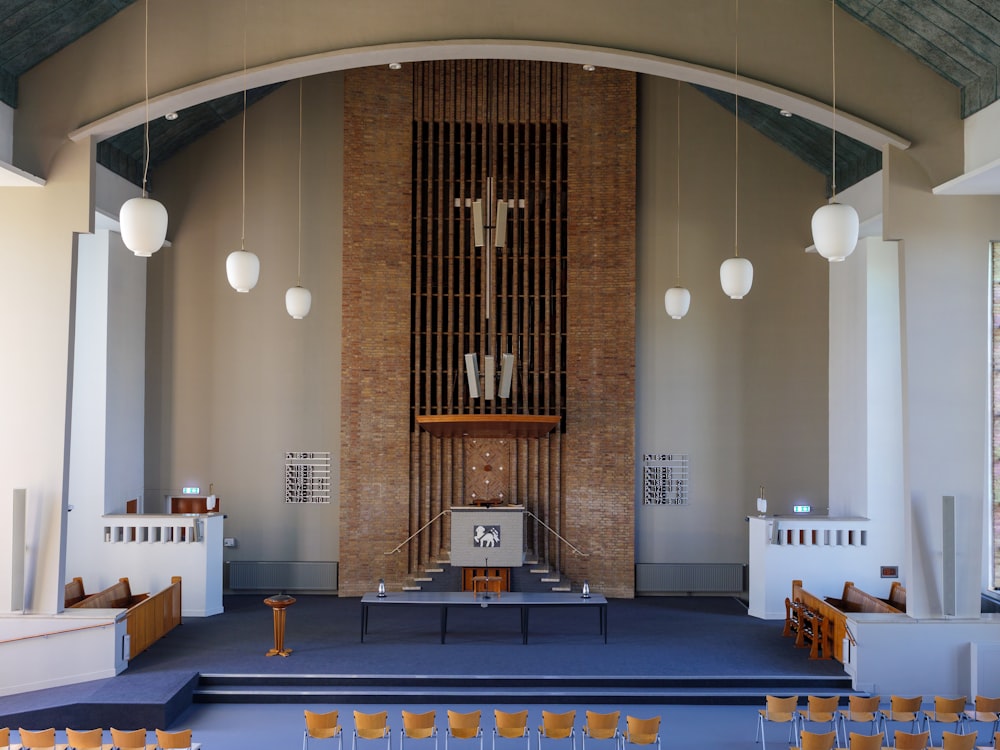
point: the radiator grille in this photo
(282, 576)
(689, 578)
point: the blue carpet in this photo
(683, 637)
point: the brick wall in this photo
(392, 480)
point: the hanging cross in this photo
(489, 236)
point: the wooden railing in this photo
(153, 617)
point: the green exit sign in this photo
(801, 508)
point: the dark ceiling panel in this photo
(124, 153)
(32, 30)
(811, 143)
(958, 39)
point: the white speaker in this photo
(506, 374)
(472, 373)
(489, 376)
(18, 551)
(949, 550)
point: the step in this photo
(423, 579)
(551, 580)
(540, 689)
(562, 588)
(539, 570)
(412, 588)
(434, 570)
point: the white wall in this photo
(740, 386)
(232, 381)
(106, 444)
(945, 293)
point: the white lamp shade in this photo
(736, 275)
(677, 300)
(298, 300)
(835, 229)
(143, 224)
(243, 270)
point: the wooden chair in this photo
(818, 740)
(601, 727)
(179, 740)
(946, 711)
(557, 726)
(128, 739)
(87, 739)
(511, 726)
(5, 738)
(464, 726)
(779, 711)
(955, 741)
(911, 740)
(865, 741)
(43, 739)
(418, 727)
(641, 731)
(371, 727)
(322, 726)
(987, 711)
(821, 710)
(861, 710)
(901, 711)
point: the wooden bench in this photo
(897, 596)
(147, 618)
(857, 600)
(827, 633)
(74, 592)
(116, 596)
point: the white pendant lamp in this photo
(736, 273)
(835, 226)
(736, 276)
(243, 266)
(677, 299)
(143, 221)
(298, 300)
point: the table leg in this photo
(444, 621)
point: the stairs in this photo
(607, 690)
(532, 576)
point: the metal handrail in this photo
(416, 533)
(58, 632)
(563, 539)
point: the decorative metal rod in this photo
(560, 536)
(416, 533)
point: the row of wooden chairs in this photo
(906, 710)
(901, 741)
(468, 726)
(93, 739)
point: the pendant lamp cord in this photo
(145, 166)
(298, 276)
(678, 183)
(243, 227)
(736, 92)
(833, 48)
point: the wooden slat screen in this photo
(473, 122)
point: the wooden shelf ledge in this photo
(488, 425)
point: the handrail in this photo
(57, 632)
(415, 533)
(560, 536)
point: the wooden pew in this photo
(74, 592)
(832, 614)
(897, 596)
(116, 596)
(857, 600)
(147, 618)
(819, 628)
